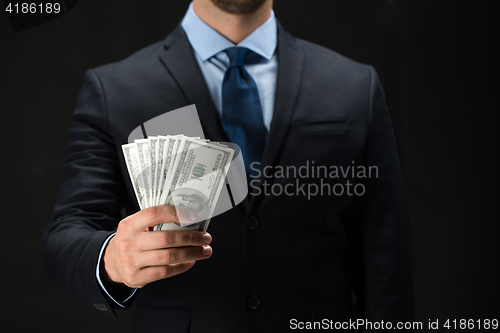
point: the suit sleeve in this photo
(88, 206)
(379, 230)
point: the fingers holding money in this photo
(152, 216)
(188, 173)
(174, 256)
(174, 238)
(160, 264)
(135, 248)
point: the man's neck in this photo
(234, 27)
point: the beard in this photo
(239, 7)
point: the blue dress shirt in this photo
(209, 48)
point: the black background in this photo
(436, 60)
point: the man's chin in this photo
(239, 7)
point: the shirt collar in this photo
(207, 42)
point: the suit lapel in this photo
(290, 67)
(180, 61)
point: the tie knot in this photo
(236, 56)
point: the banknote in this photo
(153, 146)
(163, 145)
(145, 163)
(158, 162)
(185, 172)
(196, 181)
(133, 165)
(168, 158)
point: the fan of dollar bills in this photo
(180, 171)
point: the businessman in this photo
(282, 257)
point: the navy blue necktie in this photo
(242, 117)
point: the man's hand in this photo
(136, 256)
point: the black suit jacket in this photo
(306, 257)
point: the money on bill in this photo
(181, 171)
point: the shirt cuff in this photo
(98, 276)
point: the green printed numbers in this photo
(217, 163)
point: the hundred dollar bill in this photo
(176, 153)
(196, 181)
(179, 141)
(153, 150)
(169, 152)
(159, 164)
(163, 142)
(145, 161)
(133, 165)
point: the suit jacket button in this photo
(253, 302)
(252, 222)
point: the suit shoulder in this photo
(330, 59)
(136, 62)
